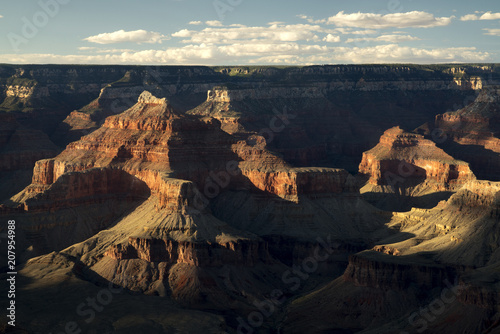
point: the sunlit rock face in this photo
(409, 155)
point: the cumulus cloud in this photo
(490, 16)
(310, 19)
(331, 38)
(363, 32)
(384, 38)
(136, 36)
(492, 32)
(212, 43)
(351, 31)
(87, 48)
(394, 53)
(380, 54)
(485, 16)
(416, 19)
(275, 32)
(214, 23)
(469, 17)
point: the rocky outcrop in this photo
(170, 252)
(149, 134)
(443, 243)
(87, 187)
(478, 296)
(289, 184)
(383, 271)
(404, 155)
(175, 155)
(223, 94)
(26, 92)
(481, 195)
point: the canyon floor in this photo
(317, 199)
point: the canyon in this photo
(260, 199)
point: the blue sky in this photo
(228, 32)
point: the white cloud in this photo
(392, 53)
(99, 50)
(384, 38)
(246, 50)
(351, 31)
(331, 38)
(485, 16)
(212, 43)
(380, 54)
(137, 36)
(1, 16)
(469, 17)
(363, 32)
(492, 32)
(183, 33)
(416, 19)
(228, 35)
(214, 23)
(310, 19)
(490, 16)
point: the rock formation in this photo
(406, 170)
(471, 133)
(407, 155)
(183, 168)
(203, 194)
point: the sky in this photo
(248, 32)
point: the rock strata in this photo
(403, 155)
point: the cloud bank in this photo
(342, 38)
(485, 16)
(414, 19)
(120, 36)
